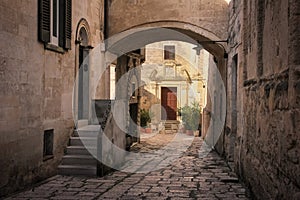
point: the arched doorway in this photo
(83, 71)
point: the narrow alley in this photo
(189, 177)
(150, 99)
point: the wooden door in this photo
(83, 83)
(169, 103)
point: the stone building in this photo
(254, 45)
(42, 48)
(262, 131)
(174, 75)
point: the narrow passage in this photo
(188, 177)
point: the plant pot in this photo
(142, 130)
(182, 130)
(148, 130)
(189, 132)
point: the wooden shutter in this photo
(68, 24)
(44, 20)
(65, 24)
(62, 10)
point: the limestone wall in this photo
(207, 14)
(234, 80)
(267, 146)
(35, 91)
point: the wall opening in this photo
(48, 144)
(83, 75)
(234, 93)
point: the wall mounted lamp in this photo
(199, 47)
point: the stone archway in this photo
(211, 15)
(133, 23)
(136, 38)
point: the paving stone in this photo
(188, 177)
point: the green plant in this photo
(145, 117)
(191, 116)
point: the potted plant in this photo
(145, 120)
(191, 118)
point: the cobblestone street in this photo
(188, 177)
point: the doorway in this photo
(169, 103)
(83, 76)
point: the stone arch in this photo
(83, 29)
(180, 25)
(211, 15)
(141, 36)
(132, 25)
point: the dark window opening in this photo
(48, 144)
(133, 90)
(54, 17)
(169, 52)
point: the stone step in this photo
(83, 141)
(79, 160)
(170, 131)
(171, 122)
(85, 134)
(82, 123)
(81, 150)
(171, 126)
(86, 170)
(88, 131)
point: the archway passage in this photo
(130, 41)
(127, 36)
(139, 37)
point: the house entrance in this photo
(169, 103)
(83, 75)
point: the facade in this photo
(263, 87)
(40, 58)
(173, 67)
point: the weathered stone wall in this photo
(207, 14)
(234, 78)
(35, 91)
(267, 144)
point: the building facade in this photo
(43, 46)
(173, 67)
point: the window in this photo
(169, 52)
(48, 144)
(133, 90)
(55, 24)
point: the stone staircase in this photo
(80, 155)
(171, 126)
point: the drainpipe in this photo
(106, 9)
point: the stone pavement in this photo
(188, 177)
